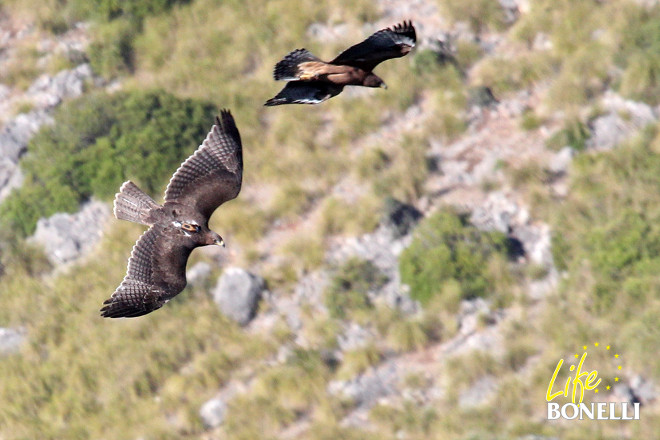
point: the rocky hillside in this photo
(404, 264)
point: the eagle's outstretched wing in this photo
(156, 273)
(305, 92)
(387, 43)
(213, 174)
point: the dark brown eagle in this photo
(312, 80)
(157, 266)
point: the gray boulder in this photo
(238, 293)
(45, 93)
(214, 411)
(67, 237)
(5, 92)
(500, 212)
(622, 119)
(354, 336)
(511, 10)
(48, 91)
(11, 340)
(16, 134)
(561, 161)
(382, 248)
(198, 275)
(644, 390)
(367, 388)
(10, 176)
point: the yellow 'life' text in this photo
(582, 380)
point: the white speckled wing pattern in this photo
(137, 294)
(213, 174)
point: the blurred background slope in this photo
(400, 264)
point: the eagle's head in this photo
(405, 49)
(373, 80)
(199, 235)
(189, 225)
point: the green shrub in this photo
(446, 248)
(99, 141)
(348, 289)
(610, 221)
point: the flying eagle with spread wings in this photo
(311, 80)
(157, 267)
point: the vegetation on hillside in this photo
(446, 251)
(348, 291)
(610, 245)
(81, 377)
(99, 141)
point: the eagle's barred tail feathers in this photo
(132, 204)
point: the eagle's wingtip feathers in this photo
(224, 117)
(406, 28)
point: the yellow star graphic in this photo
(584, 347)
(616, 355)
(619, 367)
(576, 355)
(595, 344)
(607, 348)
(608, 387)
(616, 379)
(596, 390)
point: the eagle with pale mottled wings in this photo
(156, 270)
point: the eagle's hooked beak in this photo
(220, 242)
(383, 85)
